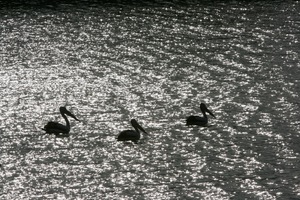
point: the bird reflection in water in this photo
(132, 135)
(60, 130)
(197, 120)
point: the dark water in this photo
(156, 62)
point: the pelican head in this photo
(137, 127)
(63, 110)
(204, 109)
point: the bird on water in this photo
(59, 129)
(132, 135)
(197, 120)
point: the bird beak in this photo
(141, 128)
(73, 116)
(210, 113)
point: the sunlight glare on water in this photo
(153, 62)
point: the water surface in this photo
(155, 62)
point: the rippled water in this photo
(155, 62)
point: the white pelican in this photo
(57, 128)
(197, 120)
(133, 135)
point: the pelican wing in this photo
(56, 128)
(129, 135)
(196, 120)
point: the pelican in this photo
(133, 135)
(57, 128)
(197, 120)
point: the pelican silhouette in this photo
(57, 128)
(197, 120)
(133, 135)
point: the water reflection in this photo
(155, 64)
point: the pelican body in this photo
(57, 128)
(132, 135)
(197, 120)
